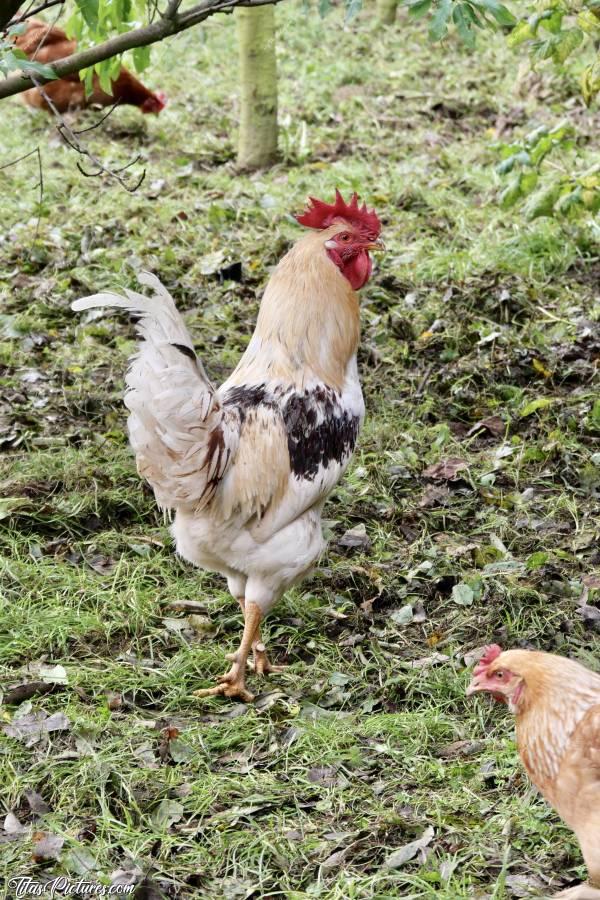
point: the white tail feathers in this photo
(179, 432)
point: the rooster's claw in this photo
(232, 684)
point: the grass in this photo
(367, 740)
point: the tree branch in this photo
(38, 9)
(170, 23)
(8, 10)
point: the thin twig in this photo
(70, 138)
(35, 11)
(100, 121)
(40, 184)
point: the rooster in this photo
(248, 466)
(556, 702)
(45, 44)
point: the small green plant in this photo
(554, 30)
(548, 188)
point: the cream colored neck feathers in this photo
(308, 323)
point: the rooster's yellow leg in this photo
(233, 683)
(261, 665)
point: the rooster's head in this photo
(347, 244)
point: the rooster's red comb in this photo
(321, 215)
(490, 653)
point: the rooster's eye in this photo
(344, 237)
(500, 674)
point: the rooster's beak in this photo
(376, 245)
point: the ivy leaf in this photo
(439, 23)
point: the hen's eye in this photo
(344, 237)
(500, 675)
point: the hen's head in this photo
(493, 675)
(353, 230)
(154, 103)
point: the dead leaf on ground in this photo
(46, 846)
(356, 537)
(33, 726)
(410, 851)
(36, 803)
(12, 825)
(324, 775)
(446, 469)
(425, 662)
(334, 861)
(433, 496)
(592, 582)
(167, 813)
(460, 748)
(17, 693)
(494, 424)
(101, 564)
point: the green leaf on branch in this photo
(590, 82)
(419, 8)
(353, 7)
(439, 23)
(463, 24)
(141, 58)
(89, 11)
(501, 14)
(522, 32)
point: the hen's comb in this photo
(321, 215)
(490, 653)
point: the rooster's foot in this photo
(262, 664)
(232, 684)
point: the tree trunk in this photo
(386, 11)
(257, 143)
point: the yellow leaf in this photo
(425, 335)
(539, 366)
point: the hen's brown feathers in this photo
(47, 44)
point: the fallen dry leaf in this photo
(46, 846)
(446, 469)
(33, 726)
(13, 826)
(324, 775)
(36, 803)
(433, 496)
(494, 424)
(409, 851)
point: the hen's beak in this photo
(474, 686)
(376, 245)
